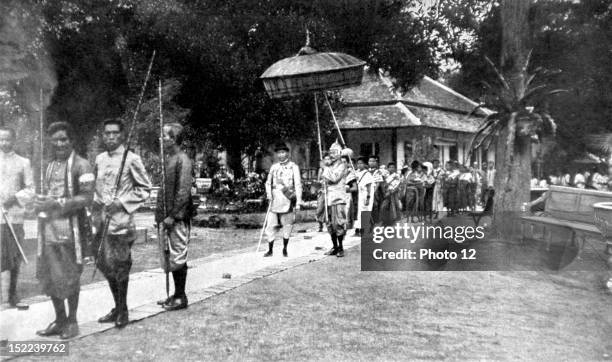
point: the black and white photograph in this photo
(306, 180)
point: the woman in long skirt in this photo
(451, 200)
(439, 175)
(414, 190)
(351, 184)
(428, 185)
(365, 194)
(465, 189)
(390, 208)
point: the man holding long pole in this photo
(175, 217)
(334, 177)
(64, 234)
(16, 190)
(119, 204)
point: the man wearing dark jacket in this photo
(175, 221)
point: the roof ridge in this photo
(411, 116)
(450, 90)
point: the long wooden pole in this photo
(41, 184)
(331, 110)
(42, 143)
(321, 154)
(161, 227)
(117, 184)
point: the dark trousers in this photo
(11, 259)
(115, 263)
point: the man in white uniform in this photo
(284, 192)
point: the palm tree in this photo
(517, 116)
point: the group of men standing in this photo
(86, 211)
(284, 194)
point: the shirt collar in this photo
(7, 154)
(117, 151)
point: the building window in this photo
(369, 149)
(453, 153)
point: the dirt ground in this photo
(330, 310)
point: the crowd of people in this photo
(419, 192)
(598, 177)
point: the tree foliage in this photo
(213, 52)
(568, 39)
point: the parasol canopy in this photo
(310, 71)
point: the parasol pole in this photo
(318, 126)
(337, 127)
(321, 154)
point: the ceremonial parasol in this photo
(310, 71)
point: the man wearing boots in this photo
(284, 192)
(321, 212)
(115, 259)
(16, 190)
(175, 223)
(335, 178)
(64, 235)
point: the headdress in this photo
(335, 147)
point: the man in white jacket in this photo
(284, 192)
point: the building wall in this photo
(355, 138)
(443, 140)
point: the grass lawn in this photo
(329, 310)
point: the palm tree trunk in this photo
(512, 182)
(513, 160)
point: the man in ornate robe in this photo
(115, 259)
(334, 177)
(64, 237)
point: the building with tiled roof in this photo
(378, 119)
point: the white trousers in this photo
(277, 221)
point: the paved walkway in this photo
(205, 279)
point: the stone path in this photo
(205, 279)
